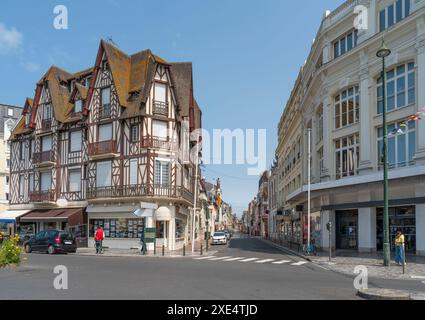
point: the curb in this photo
(387, 294)
(118, 255)
(284, 249)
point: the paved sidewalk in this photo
(345, 262)
(135, 252)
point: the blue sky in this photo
(246, 55)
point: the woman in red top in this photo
(98, 238)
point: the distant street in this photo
(247, 269)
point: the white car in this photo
(219, 238)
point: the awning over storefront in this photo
(163, 214)
(51, 215)
(10, 216)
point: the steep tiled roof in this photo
(181, 74)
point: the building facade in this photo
(338, 95)
(108, 147)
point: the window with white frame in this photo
(75, 140)
(134, 133)
(46, 143)
(103, 174)
(105, 132)
(347, 107)
(75, 180)
(45, 181)
(105, 94)
(401, 145)
(160, 129)
(393, 14)
(47, 112)
(345, 43)
(347, 155)
(162, 173)
(400, 87)
(160, 92)
(133, 172)
(78, 106)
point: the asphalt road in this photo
(247, 269)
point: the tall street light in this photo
(382, 53)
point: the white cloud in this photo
(10, 39)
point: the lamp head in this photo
(383, 52)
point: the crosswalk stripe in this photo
(264, 261)
(249, 260)
(219, 258)
(281, 262)
(300, 263)
(234, 259)
(204, 258)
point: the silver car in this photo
(219, 238)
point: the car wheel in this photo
(50, 250)
(28, 248)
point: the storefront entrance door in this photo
(346, 229)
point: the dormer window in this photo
(160, 105)
(47, 112)
(27, 118)
(78, 106)
(104, 65)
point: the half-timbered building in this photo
(107, 147)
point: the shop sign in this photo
(150, 235)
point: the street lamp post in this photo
(382, 53)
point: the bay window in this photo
(401, 146)
(347, 155)
(400, 88)
(347, 107)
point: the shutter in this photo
(103, 174)
(105, 132)
(160, 129)
(75, 141)
(133, 172)
(46, 143)
(160, 92)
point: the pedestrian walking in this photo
(98, 238)
(399, 248)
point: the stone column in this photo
(327, 143)
(366, 115)
(367, 230)
(420, 46)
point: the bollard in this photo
(201, 249)
(154, 249)
(184, 250)
(163, 249)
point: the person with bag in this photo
(399, 248)
(98, 238)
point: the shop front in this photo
(9, 221)
(401, 219)
(315, 228)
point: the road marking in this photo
(219, 258)
(249, 260)
(300, 263)
(235, 259)
(417, 277)
(281, 262)
(204, 258)
(264, 261)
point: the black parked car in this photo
(51, 241)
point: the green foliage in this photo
(10, 251)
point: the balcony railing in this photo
(42, 196)
(140, 191)
(160, 108)
(158, 143)
(102, 147)
(46, 124)
(40, 157)
(105, 111)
